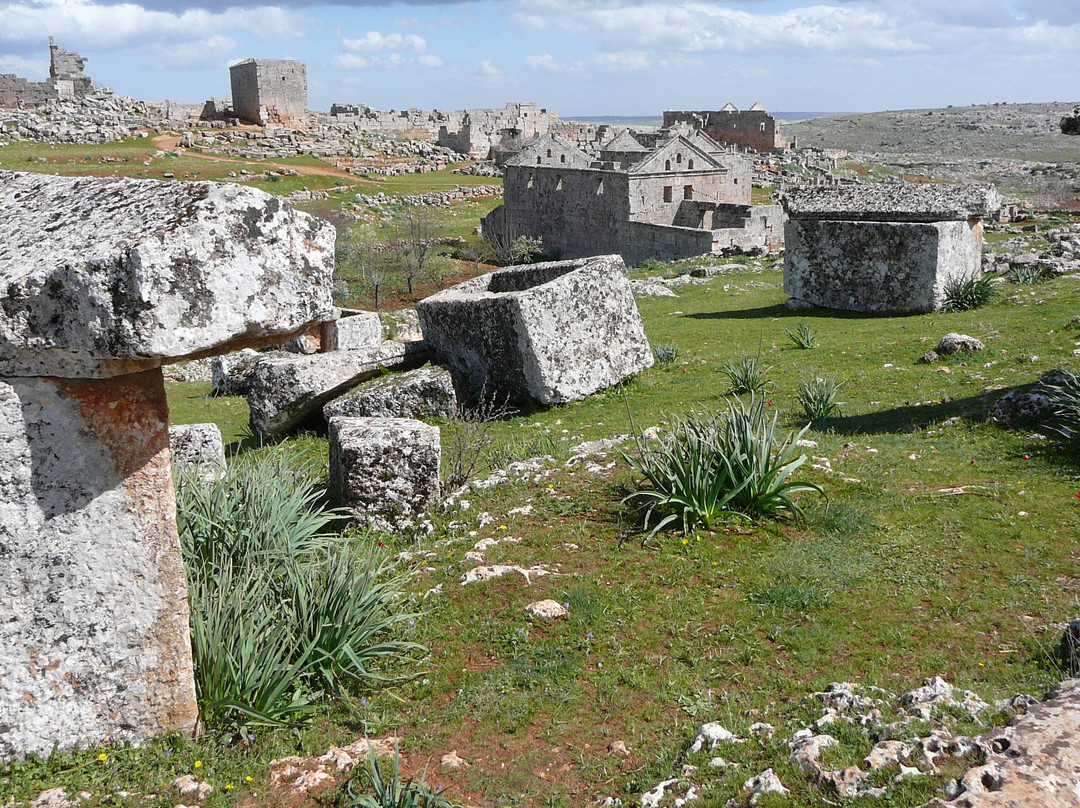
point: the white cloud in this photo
(211, 51)
(429, 60)
(488, 70)
(549, 64)
(107, 27)
(374, 41)
(35, 69)
(350, 61)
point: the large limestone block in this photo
(198, 450)
(286, 391)
(878, 266)
(94, 643)
(111, 276)
(384, 470)
(551, 332)
(422, 393)
(905, 202)
(355, 329)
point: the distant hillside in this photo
(654, 120)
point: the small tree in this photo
(416, 233)
(477, 252)
(362, 260)
(511, 246)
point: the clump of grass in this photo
(392, 791)
(803, 336)
(963, 294)
(283, 612)
(745, 375)
(818, 397)
(652, 265)
(665, 353)
(711, 468)
(1027, 275)
(790, 597)
(1064, 400)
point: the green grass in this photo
(942, 552)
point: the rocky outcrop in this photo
(102, 282)
(1070, 124)
(422, 393)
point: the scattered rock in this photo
(953, 343)
(498, 570)
(619, 748)
(452, 760)
(713, 733)
(546, 610)
(928, 358)
(190, 786)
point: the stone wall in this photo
(66, 81)
(270, 91)
(751, 129)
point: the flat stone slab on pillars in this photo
(384, 470)
(549, 333)
(426, 392)
(888, 248)
(102, 282)
(112, 276)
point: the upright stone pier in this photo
(102, 282)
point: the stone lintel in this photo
(907, 202)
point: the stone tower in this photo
(266, 91)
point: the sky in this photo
(613, 57)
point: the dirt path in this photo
(171, 142)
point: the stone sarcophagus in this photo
(547, 333)
(883, 248)
(101, 282)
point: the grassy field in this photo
(947, 547)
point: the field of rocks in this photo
(551, 650)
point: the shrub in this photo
(1027, 275)
(666, 353)
(802, 336)
(282, 611)
(392, 792)
(962, 294)
(745, 376)
(1064, 400)
(818, 397)
(712, 468)
(652, 265)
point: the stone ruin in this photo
(883, 248)
(67, 80)
(104, 282)
(1070, 124)
(546, 333)
(753, 128)
(270, 91)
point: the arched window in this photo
(549, 152)
(678, 157)
(690, 164)
(562, 158)
(667, 165)
(538, 159)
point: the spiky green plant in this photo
(962, 294)
(392, 792)
(1027, 275)
(745, 375)
(713, 468)
(818, 397)
(803, 336)
(1064, 404)
(665, 353)
(282, 610)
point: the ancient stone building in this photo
(685, 196)
(750, 129)
(268, 91)
(67, 80)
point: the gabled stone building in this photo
(753, 128)
(685, 196)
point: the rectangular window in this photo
(558, 182)
(667, 193)
(599, 187)
(688, 192)
(530, 185)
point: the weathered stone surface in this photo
(551, 332)
(1070, 124)
(384, 470)
(546, 609)
(426, 392)
(1035, 760)
(197, 450)
(285, 391)
(1026, 407)
(354, 329)
(878, 266)
(94, 645)
(230, 375)
(953, 343)
(111, 276)
(905, 202)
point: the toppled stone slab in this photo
(549, 333)
(111, 276)
(198, 451)
(1035, 760)
(230, 375)
(905, 202)
(384, 470)
(426, 392)
(286, 391)
(354, 329)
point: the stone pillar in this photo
(103, 281)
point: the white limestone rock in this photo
(550, 333)
(111, 276)
(198, 451)
(426, 392)
(355, 329)
(953, 343)
(285, 391)
(384, 470)
(546, 609)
